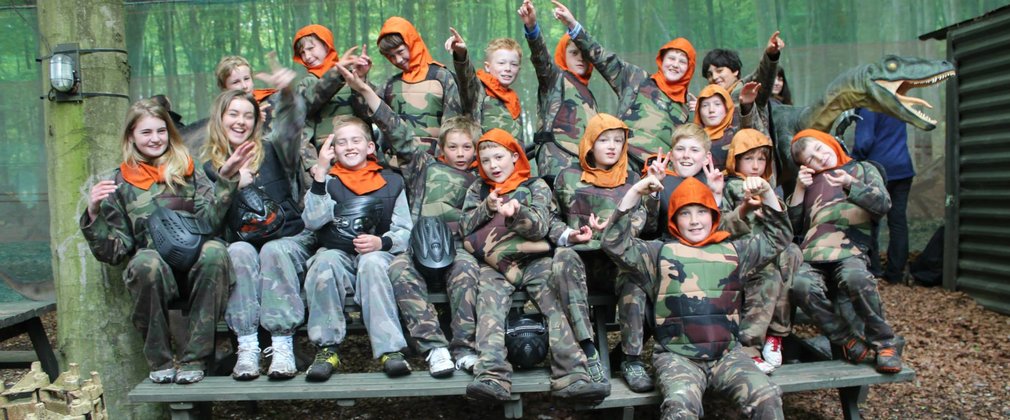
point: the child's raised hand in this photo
(509, 208)
(838, 178)
(353, 80)
(596, 223)
(658, 166)
(325, 161)
(755, 186)
(647, 185)
(528, 14)
(363, 63)
(238, 159)
(716, 179)
(749, 92)
(279, 77)
(564, 15)
(494, 201)
(99, 192)
(692, 102)
(805, 177)
(455, 43)
(348, 58)
(775, 44)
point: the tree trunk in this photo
(82, 139)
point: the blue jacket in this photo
(883, 139)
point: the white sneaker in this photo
(440, 362)
(248, 365)
(762, 365)
(772, 351)
(466, 362)
(282, 365)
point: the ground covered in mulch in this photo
(960, 353)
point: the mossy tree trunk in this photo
(82, 140)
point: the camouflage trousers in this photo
(551, 159)
(494, 298)
(267, 289)
(683, 383)
(593, 270)
(411, 292)
(853, 281)
(766, 309)
(153, 286)
(333, 274)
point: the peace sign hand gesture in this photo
(658, 166)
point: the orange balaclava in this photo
(715, 132)
(143, 176)
(561, 59)
(744, 141)
(420, 57)
(829, 141)
(677, 91)
(326, 36)
(519, 174)
(693, 191)
(605, 178)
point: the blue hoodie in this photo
(883, 139)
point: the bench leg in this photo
(183, 411)
(600, 313)
(514, 408)
(43, 349)
(850, 401)
(628, 413)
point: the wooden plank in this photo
(18, 356)
(13, 313)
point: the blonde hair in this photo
(217, 148)
(226, 66)
(341, 121)
(459, 124)
(503, 44)
(691, 131)
(489, 144)
(176, 158)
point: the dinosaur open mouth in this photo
(900, 87)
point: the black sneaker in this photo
(394, 364)
(855, 350)
(583, 390)
(487, 390)
(322, 367)
(637, 376)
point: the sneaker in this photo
(440, 363)
(248, 365)
(394, 364)
(487, 390)
(322, 367)
(854, 350)
(889, 360)
(282, 363)
(772, 351)
(762, 365)
(466, 362)
(636, 376)
(596, 371)
(164, 376)
(583, 390)
(189, 374)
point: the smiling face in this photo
(777, 86)
(607, 148)
(722, 76)
(352, 146)
(312, 51)
(694, 222)
(817, 156)
(150, 137)
(400, 57)
(712, 110)
(497, 162)
(573, 59)
(674, 65)
(240, 79)
(238, 121)
(503, 64)
(753, 162)
(458, 150)
(689, 156)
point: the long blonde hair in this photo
(217, 148)
(176, 157)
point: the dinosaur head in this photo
(894, 76)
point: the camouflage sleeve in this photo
(359, 106)
(533, 219)
(764, 245)
(468, 84)
(401, 139)
(286, 136)
(451, 106)
(869, 192)
(317, 92)
(213, 199)
(734, 224)
(109, 236)
(400, 226)
(765, 74)
(543, 64)
(627, 251)
(318, 206)
(475, 212)
(558, 226)
(652, 218)
(620, 74)
(796, 218)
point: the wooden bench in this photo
(17, 318)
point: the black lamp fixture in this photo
(65, 73)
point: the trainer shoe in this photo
(596, 371)
(322, 367)
(248, 365)
(394, 364)
(889, 360)
(772, 351)
(583, 390)
(164, 376)
(854, 350)
(636, 376)
(466, 362)
(440, 363)
(189, 373)
(762, 365)
(487, 390)
(282, 365)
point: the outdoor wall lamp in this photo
(65, 73)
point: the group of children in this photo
(298, 206)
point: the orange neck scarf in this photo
(561, 59)
(326, 36)
(677, 91)
(744, 141)
(829, 141)
(521, 170)
(693, 191)
(504, 94)
(604, 178)
(420, 58)
(715, 132)
(143, 176)
(360, 181)
(262, 94)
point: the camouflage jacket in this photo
(326, 98)
(485, 109)
(765, 74)
(696, 291)
(507, 242)
(574, 200)
(423, 106)
(650, 114)
(732, 196)
(564, 105)
(836, 222)
(720, 146)
(433, 188)
(121, 226)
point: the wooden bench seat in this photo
(18, 318)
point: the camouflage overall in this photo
(422, 106)
(487, 110)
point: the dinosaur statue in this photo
(880, 87)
